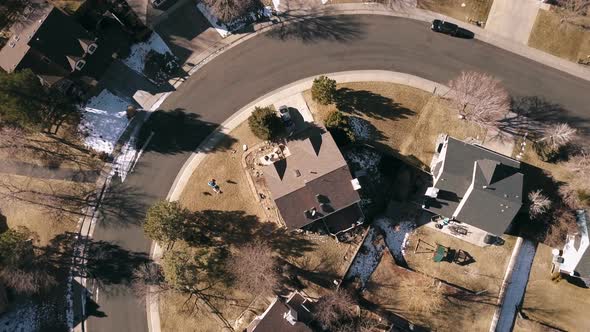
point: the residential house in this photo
(574, 259)
(476, 190)
(291, 315)
(50, 43)
(310, 182)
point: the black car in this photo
(445, 27)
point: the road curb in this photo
(299, 86)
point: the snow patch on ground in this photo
(103, 121)
(136, 59)
(396, 235)
(516, 285)
(225, 29)
(360, 127)
(367, 259)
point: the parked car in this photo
(445, 27)
(286, 117)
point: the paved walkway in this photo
(513, 19)
(514, 286)
(42, 172)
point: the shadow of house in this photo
(311, 182)
(177, 131)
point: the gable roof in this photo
(275, 317)
(47, 41)
(477, 186)
(313, 175)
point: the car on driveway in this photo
(445, 27)
(287, 121)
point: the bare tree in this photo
(335, 310)
(538, 203)
(564, 223)
(574, 11)
(579, 164)
(480, 98)
(254, 268)
(229, 10)
(558, 135)
(422, 294)
(148, 278)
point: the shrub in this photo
(564, 223)
(264, 123)
(229, 10)
(339, 126)
(160, 67)
(323, 90)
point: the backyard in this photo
(563, 305)
(484, 272)
(395, 292)
(564, 40)
(316, 261)
(401, 120)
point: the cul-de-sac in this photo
(294, 165)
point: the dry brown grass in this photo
(564, 40)
(36, 217)
(458, 311)
(485, 273)
(561, 304)
(223, 166)
(411, 127)
(474, 9)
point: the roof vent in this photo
(297, 173)
(290, 316)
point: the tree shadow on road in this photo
(532, 114)
(176, 131)
(318, 26)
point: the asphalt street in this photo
(284, 55)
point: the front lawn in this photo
(474, 9)
(563, 304)
(391, 291)
(484, 274)
(560, 39)
(401, 120)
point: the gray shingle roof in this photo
(583, 267)
(497, 191)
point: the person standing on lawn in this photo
(214, 185)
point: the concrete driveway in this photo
(187, 31)
(513, 19)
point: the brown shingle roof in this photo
(314, 172)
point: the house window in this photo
(80, 64)
(92, 48)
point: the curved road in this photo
(284, 55)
